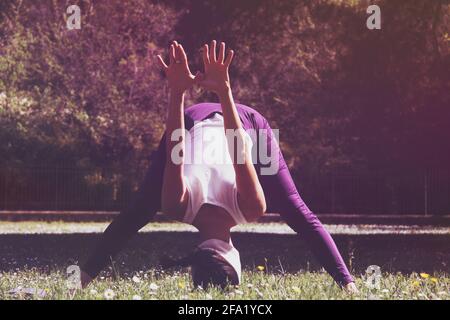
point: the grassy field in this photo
(60, 227)
(154, 284)
(413, 260)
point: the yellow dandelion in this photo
(416, 283)
(424, 275)
(181, 285)
(260, 268)
(435, 280)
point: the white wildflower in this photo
(109, 294)
(259, 293)
(153, 286)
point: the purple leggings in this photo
(279, 189)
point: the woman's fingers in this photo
(181, 54)
(161, 62)
(205, 54)
(212, 52)
(172, 54)
(209, 56)
(221, 52)
(178, 52)
(184, 60)
(229, 58)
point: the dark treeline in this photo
(347, 100)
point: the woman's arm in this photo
(250, 193)
(216, 78)
(174, 194)
(180, 78)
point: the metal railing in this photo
(425, 193)
(74, 189)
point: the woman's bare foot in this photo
(351, 288)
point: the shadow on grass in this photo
(393, 253)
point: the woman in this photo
(212, 198)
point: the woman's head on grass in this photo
(209, 267)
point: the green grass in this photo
(36, 255)
(155, 284)
(63, 227)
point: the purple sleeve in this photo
(282, 197)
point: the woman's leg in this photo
(141, 210)
(282, 197)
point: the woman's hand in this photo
(178, 74)
(216, 76)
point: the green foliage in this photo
(342, 95)
(93, 91)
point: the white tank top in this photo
(208, 170)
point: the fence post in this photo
(56, 188)
(333, 193)
(5, 194)
(425, 190)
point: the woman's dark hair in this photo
(208, 268)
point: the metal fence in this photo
(423, 193)
(62, 188)
(74, 189)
